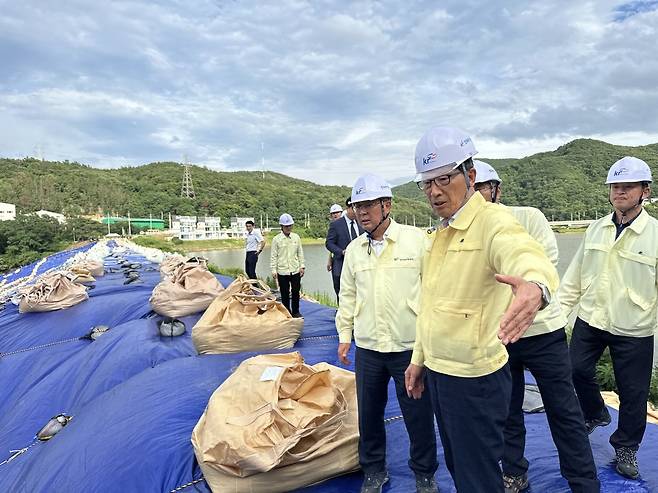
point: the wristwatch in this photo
(545, 295)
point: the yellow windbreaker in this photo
(287, 255)
(379, 296)
(615, 280)
(535, 223)
(461, 301)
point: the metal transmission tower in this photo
(187, 189)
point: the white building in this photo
(208, 228)
(187, 228)
(61, 219)
(7, 212)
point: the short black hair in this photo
(250, 222)
(468, 164)
(348, 202)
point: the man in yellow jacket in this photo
(287, 264)
(613, 279)
(466, 317)
(379, 295)
(544, 351)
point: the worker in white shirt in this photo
(254, 244)
(543, 350)
(379, 296)
(613, 280)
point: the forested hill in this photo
(76, 189)
(568, 180)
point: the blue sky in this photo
(327, 89)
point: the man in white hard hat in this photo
(612, 279)
(335, 213)
(287, 264)
(466, 317)
(341, 232)
(543, 350)
(379, 295)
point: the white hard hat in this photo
(629, 170)
(484, 172)
(370, 187)
(335, 208)
(286, 220)
(441, 150)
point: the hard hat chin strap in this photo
(494, 192)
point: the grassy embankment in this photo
(177, 245)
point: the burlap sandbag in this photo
(190, 289)
(169, 265)
(80, 275)
(277, 424)
(94, 267)
(245, 317)
(53, 292)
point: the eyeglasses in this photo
(366, 205)
(439, 181)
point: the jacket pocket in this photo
(639, 300)
(639, 274)
(455, 332)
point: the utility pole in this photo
(108, 223)
(130, 233)
(187, 188)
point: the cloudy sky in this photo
(322, 90)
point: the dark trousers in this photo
(373, 372)
(632, 360)
(250, 264)
(336, 279)
(471, 414)
(289, 286)
(547, 358)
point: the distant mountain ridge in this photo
(561, 182)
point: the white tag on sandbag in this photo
(270, 373)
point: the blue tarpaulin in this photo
(135, 397)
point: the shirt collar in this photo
(637, 225)
(392, 233)
(463, 218)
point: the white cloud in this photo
(332, 89)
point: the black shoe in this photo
(373, 482)
(515, 484)
(603, 420)
(426, 484)
(627, 462)
(297, 315)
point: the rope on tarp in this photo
(317, 338)
(186, 485)
(42, 346)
